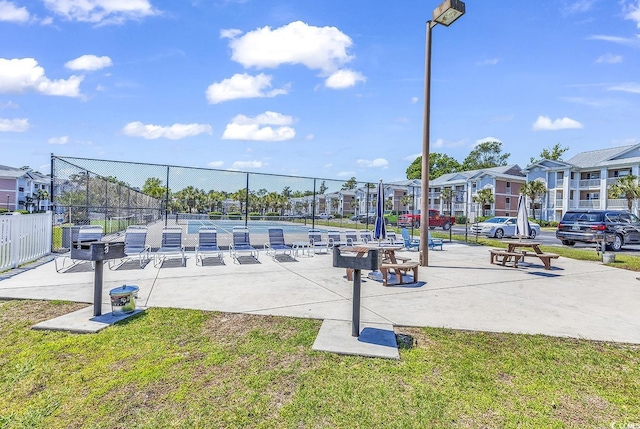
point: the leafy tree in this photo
(484, 197)
(350, 184)
(447, 195)
(323, 187)
(153, 187)
(533, 190)
(485, 155)
(626, 187)
(42, 194)
(555, 153)
(407, 200)
(439, 164)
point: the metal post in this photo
(355, 324)
(424, 201)
(166, 204)
(313, 206)
(246, 204)
(97, 288)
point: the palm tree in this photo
(484, 197)
(42, 194)
(447, 195)
(533, 190)
(626, 187)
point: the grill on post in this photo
(357, 259)
(98, 252)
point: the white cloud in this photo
(346, 174)
(216, 164)
(578, 6)
(632, 12)
(633, 87)
(487, 140)
(173, 132)
(414, 100)
(328, 165)
(58, 140)
(242, 86)
(310, 137)
(9, 12)
(318, 48)
(101, 11)
(376, 163)
(245, 128)
(488, 62)
(412, 157)
(8, 105)
(626, 41)
(248, 164)
(89, 62)
(545, 123)
(609, 59)
(344, 79)
(20, 75)
(14, 125)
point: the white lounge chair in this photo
(171, 246)
(317, 243)
(276, 243)
(135, 238)
(241, 244)
(86, 233)
(208, 245)
(335, 239)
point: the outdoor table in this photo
(388, 252)
(517, 246)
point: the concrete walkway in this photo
(459, 290)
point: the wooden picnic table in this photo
(517, 246)
(390, 262)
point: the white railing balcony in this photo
(434, 194)
(590, 183)
(589, 204)
(618, 203)
(458, 207)
(559, 203)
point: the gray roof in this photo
(464, 176)
(595, 158)
(6, 171)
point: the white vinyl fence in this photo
(24, 238)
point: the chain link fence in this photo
(117, 194)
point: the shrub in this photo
(235, 215)
(272, 215)
(461, 220)
(215, 215)
(255, 216)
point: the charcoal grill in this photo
(97, 252)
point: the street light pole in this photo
(447, 12)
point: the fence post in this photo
(16, 227)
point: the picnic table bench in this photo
(502, 256)
(400, 269)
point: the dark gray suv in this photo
(615, 227)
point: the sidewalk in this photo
(459, 290)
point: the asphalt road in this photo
(548, 238)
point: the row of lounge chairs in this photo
(171, 246)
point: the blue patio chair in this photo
(86, 233)
(170, 246)
(135, 237)
(317, 243)
(435, 242)
(409, 241)
(276, 243)
(241, 244)
(208, 245)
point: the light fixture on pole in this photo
(445, 14)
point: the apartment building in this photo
(582, 182)
(23, 189)
(504, 182)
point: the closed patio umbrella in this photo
(380, 230)
(523, 229)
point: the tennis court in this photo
(225, 226)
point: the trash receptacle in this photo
(123, 299)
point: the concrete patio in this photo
(459, 290)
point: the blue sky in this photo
(328, 88)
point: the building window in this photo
(507, 204)
(508, 187)
(20, 189)
(560, 176)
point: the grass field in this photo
(186, 369)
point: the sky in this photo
(331, 89)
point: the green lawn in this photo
(187, 369)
